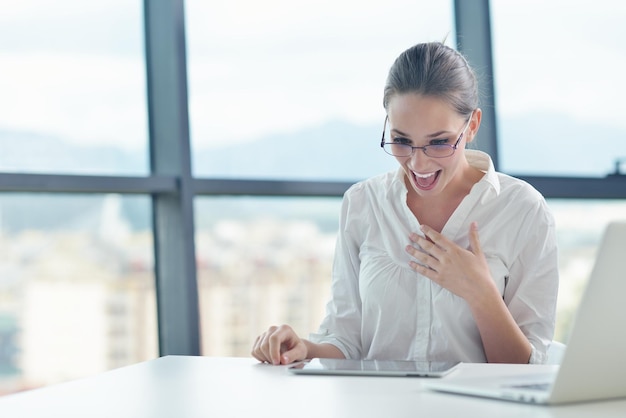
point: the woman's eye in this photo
(400, 140)
(439, 142)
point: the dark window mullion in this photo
(62, 183)
(173, 218)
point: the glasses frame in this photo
(425, 147)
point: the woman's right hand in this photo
(279, 345)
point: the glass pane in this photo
(262, 262)
(578, 243)
(73, 87)
(284, 89)
(559, 71)
(76, 287)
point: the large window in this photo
(73, 87)
(580, 224)
(262, 261)
(558, 72)
(77, 292)
(559, 79)
(293, 90)
(77, 282)
(284, 90)
(118, 244)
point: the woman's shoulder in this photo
(520, 189)
(375, 186)
(521, 197)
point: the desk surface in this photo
(190, 387)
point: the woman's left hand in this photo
(463, 272)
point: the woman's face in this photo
(424, 120)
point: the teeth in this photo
(423, 176)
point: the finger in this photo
(475, 239)
(255, 350)
(425, 247)
(282, 335)
(421, 257)
(424, 270)
(264, 345)
(435, 237)
(295, 354)
(260, 349)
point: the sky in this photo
(263, 67)
(566, 55)
(74, 69)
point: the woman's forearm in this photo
(324, 350)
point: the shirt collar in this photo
(398, 186)
(482, 161)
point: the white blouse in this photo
(381, 309)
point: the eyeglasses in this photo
(398, 149)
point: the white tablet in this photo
(348, 367)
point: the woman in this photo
(443, 259)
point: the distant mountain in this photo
(336, 150)
(39, 153)
(559, 146)
(333, 151)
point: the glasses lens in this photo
(398, 150)
(439, 151)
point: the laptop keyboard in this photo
(533, 386)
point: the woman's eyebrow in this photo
(433, 135)
(400, 133)
(436, 134)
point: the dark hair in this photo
(434, 69)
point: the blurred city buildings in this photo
(82, 301)
(77, 303)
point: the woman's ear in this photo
(474, 124)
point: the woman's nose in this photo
(419, 157)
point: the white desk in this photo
(189, 387)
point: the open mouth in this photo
(426, 181)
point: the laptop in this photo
(593, 366)
(351, 367)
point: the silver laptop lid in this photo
(594, 363)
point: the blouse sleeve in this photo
(532, 288)
(341, 326)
